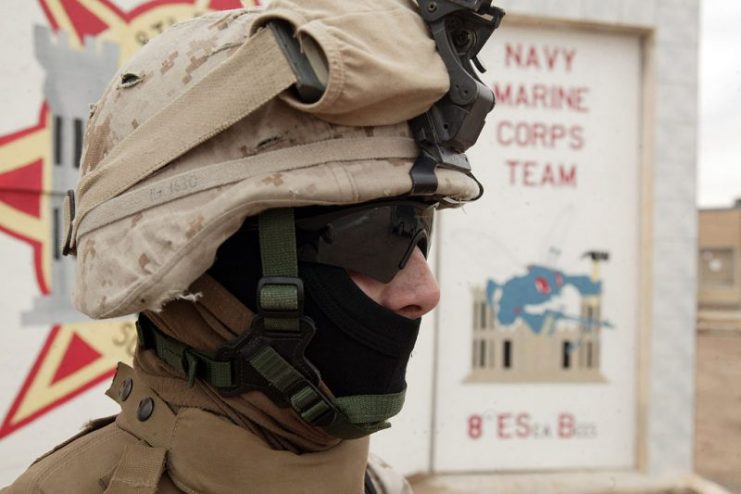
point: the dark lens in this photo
(375, 240)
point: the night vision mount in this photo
(460, 29)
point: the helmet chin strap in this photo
(270, 355)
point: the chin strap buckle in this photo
(460, 29)
(301, 394)
(273, 362)
(280, 297)
(270, 355)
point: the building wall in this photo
(719, 260)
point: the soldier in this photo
(252, 188)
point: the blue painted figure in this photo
(521, 294)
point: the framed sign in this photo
(537, 360)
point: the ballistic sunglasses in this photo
(375, 239)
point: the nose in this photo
(412, 293)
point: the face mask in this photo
(360, 347)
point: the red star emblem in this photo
(75, 356)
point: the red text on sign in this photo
(542, 96)
(566, 425)
(474, 426)
(569, 427)
(513, 426)
(539, 135)
(534, 174)
(539, 57)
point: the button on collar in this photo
(145, 409)
(125, 389)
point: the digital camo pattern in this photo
(143, 260)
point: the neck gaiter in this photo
(359, 347)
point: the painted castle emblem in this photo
(542, 326)
(79, 50)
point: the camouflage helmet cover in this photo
(147, 245)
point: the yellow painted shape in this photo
(114, 340)
(21, 223)
(24, 150)
(131, 37)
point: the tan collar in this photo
(215, 318)
(207, 453)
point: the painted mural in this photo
(79, 49)
(539, 315)
(526, 330)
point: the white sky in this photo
(719, 176)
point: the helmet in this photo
(141, 241)
(216, 121)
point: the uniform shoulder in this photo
(385, 479)
(77, 465)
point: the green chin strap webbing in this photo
(270, 356)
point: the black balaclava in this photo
(359, 347)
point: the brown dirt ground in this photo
(718, 408)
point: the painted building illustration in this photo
(79, 47)
(519, 337)
(74, 78)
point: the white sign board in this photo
(537, 360)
